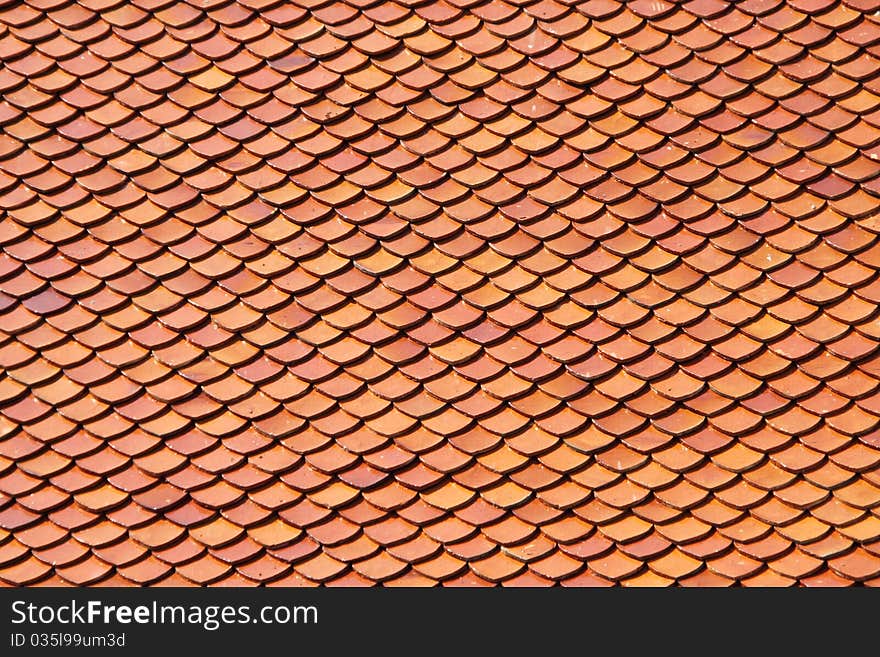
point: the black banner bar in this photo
(403, 621)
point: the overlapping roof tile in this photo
(457, 292)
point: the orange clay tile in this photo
(521, 294)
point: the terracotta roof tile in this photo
(497, 295)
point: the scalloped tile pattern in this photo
(455, 292)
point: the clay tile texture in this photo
(440, 293)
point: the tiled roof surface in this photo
(464, 292)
